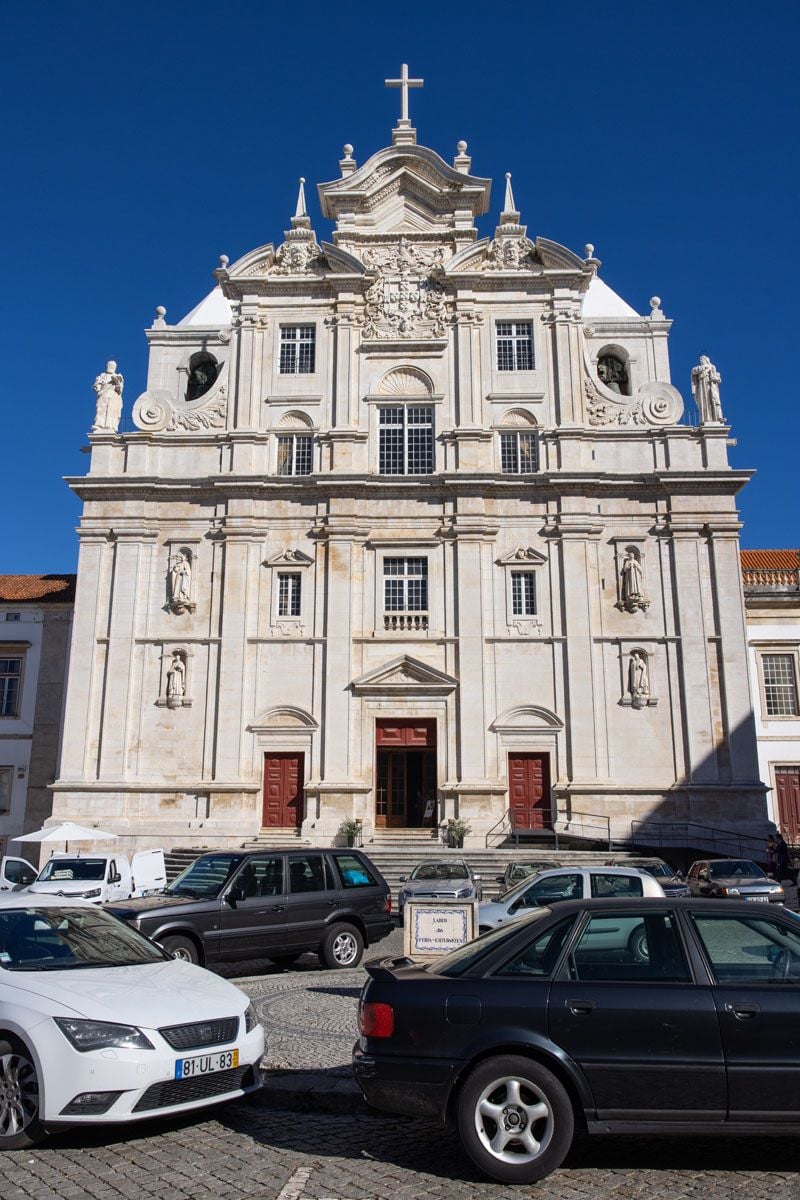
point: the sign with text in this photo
(434, 927)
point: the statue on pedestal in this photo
(705, 389)
(108, 388)
(633, 590)
(176, 681)
(638, 679)
(180, 583)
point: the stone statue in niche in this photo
(176, 681)
(612, 373)
(108, 389)
(202, 374)
(638, 679)
(705, 389)
(180, 583)
(633, 591)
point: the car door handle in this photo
(331, 903)
(277, 908)
(743, 1012)
(580, 1008)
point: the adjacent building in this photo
(35, 630)
(412, 526)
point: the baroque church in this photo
(412, 527)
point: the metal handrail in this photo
(688, 834)
(559, 825)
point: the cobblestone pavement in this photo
(244, 1149)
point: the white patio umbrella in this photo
(66, 832)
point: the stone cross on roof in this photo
(404, 83)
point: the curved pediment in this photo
(406, 676)
(284, 716)
(527, 718)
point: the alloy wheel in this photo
(344, 949)
(514, 1120)
(19, 1095)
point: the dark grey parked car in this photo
(276, 904)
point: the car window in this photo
(568, 886)
(259, 877)
(629, 947)
(615, 885)
(84, 869)
(353, 871)
(307, 874)
(749, 949)
(733, 868)
(460, 960)
(66, 939)
(440, 871)
(539, 958)
(205, 877)
(695, 870)
(18, 872)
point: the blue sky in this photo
(142, 141)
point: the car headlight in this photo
(776, 891)
(102, 1035)
(462, 892)
(92, 894)
(250, 1018)
(730, 891)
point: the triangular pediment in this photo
(524, 556)
(289, 558)
(405, 675)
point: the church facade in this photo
(411, 528)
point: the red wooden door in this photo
(283, 790)
(787, 787)
(529, 790)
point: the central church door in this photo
(283, 791)
(529, 791)
(405, 774)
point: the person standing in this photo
(781, 858)
(771, 856)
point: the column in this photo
(692, 626)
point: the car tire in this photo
(283, 960)
(20, 1126)
(638, 947)
(526, 1098)
(182, 948)
(341, 948)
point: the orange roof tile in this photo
(43, 589)
(770, 560)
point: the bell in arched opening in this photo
(203, 371)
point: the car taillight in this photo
(375, 1020)
(387, 907)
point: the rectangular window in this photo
(294, 454)
(518, 453)
(6, 780)
(405, 584)
(298, 343)
(12, 616)
(289, 595)
(514, 346)
(406, 440)
(523, 593)
(780, 685)
(10, 675)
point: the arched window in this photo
(612, 371)
(203, 371)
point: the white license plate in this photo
(204, 1064)
(757, 899)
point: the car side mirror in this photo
(116, 878)
(499, 878)
(403, 878)
(232, 896)
(477, 878)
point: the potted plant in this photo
(455, 833)
(350, 829)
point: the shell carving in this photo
(405, 381)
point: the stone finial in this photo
(509, 205)
(223, 261)
(347, 164)
(159, 322)
(301, 219)
(588, 250)
(462, 161)
(655, 305)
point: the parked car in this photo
(102, 877)
(671, 880)
(274, 904)
(566, 883)
(97, 1024)
(738, 877)
(515, 872)
(447, 879)
(537, 1027)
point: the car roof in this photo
(652, 904)
(41, 900)
(594, 867)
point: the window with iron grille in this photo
(406, 440)
(518, 453)
(523, 594)
(514, 346)
(294, 454)
(405, 585)
(780, 685)
(289, 595)
(297, 349)
(10, 675)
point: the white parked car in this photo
(566, 883)
(98, 1024)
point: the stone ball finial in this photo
(223, 261)
(588, 250)
(347, 150)
(302, 179)
(655, 302)
(161, 312)
(461, 147)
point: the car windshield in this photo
(440, 870)
(458, 961)
(731, 868)
(523, 870)
(84, 869)
(206, 877)
(67, 939)
(657, 869)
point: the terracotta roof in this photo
(770, 560)
(43, 589)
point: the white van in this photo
(102, 877)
